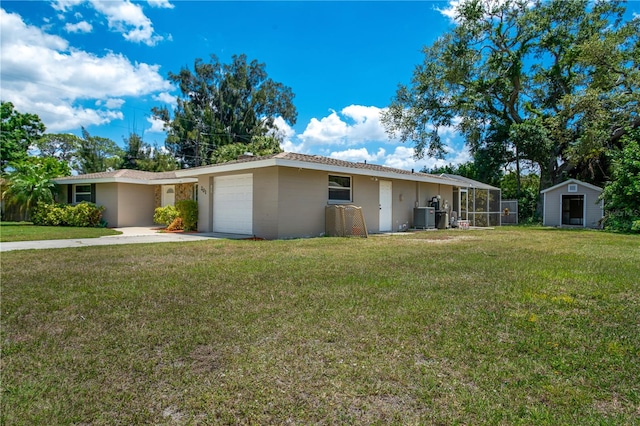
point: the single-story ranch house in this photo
(129, 196)
(278, 196)
(573, 203)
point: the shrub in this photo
(622, 193)
(165, 215)
(188, 212)
(176, 225)
(82, 215)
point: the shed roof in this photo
(566, 182)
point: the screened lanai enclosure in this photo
(476, 202)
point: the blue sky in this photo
(104, 64)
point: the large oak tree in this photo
(553, 84)
(222, 104)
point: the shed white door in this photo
(233, 204)
(386, 218)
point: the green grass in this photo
(510, 326)
(25, 231)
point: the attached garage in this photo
(233, 204)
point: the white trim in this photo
(76, 193)
(280, 162)
(84, 181)
(388, 212)
(337, 201)
(587, 185)
(584, 207)
(544, 209)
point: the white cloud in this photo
(111, 103)
(166, 98)
(80, 27)
(451, 11)
(66, 5)
(328, 130)
(359, 155)
(129, 19)
(403, 157)
(358, 129)
(41, 74)
(163, 4)
(123, 16)
(354, 124)
(157, 126)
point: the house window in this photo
(82, 193)
(572, 187)
(339, 188)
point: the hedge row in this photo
(82, 215)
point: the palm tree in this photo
(27, 185)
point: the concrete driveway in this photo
(128, 236)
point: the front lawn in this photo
(25, 231)
(510, 326)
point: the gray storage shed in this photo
(573, 203)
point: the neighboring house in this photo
(573, 203)
(129, 196)
(276, 196)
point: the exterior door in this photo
(168, 195)
(233, 204)
(386, 217)
(573, 210)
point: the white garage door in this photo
(233, 204)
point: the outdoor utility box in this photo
(442, 219)
(424, 217)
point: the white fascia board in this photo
(225, 168)
(124, 180)
(272, 162)
(567, 182)
(172, 181)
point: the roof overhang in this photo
(570, 181)
(305, 165)
(84, 181)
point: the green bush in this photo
(188, 212)
(165, 215)
(85, 214)
(622, 193)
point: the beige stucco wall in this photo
(107, 196)
(290, 202)
(366, 194)
(135, 204)
(205, 190)
(302, 197)
(553, 205)
(266, 203)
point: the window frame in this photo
(84, 194)
(339, 189)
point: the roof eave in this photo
(283, 162)
(81, 181)
(567, 182)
